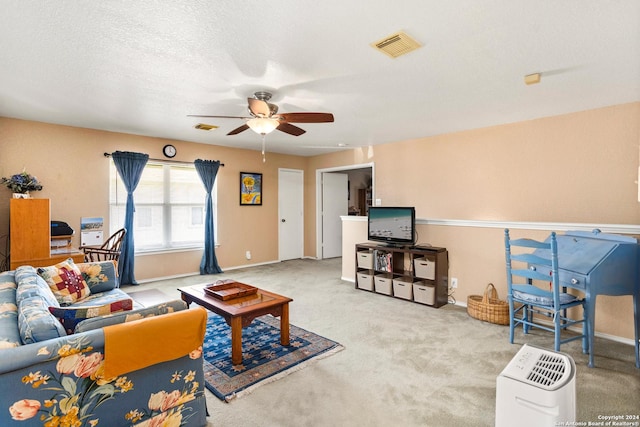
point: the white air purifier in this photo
(537, 388)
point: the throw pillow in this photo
(66, 282)
(70, 317)
(100, 276)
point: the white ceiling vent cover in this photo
(396, 44)
(204, 126)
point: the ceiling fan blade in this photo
(239, 129)
(259, 108)
(290, 129)
(219, 117)
(307, 117)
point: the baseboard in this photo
(615, 338)
(197, 273)
(176, 276)
(237, 267)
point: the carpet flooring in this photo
(264, 358)
(404, 364)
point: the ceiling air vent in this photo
(203, 126)
(396, 45)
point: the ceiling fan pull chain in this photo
(263, 142)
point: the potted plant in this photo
(21, 184)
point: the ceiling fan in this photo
(264, 117)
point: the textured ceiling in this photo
(140, 67)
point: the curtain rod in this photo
(165, 160)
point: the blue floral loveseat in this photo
(92, 357)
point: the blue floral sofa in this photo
(87, 355)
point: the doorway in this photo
(335, 204)
(322, 221)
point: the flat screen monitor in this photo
(394, 226)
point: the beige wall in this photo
(70, 163)
(574, 168)
(580, 167)
(577, 168)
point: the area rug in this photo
(264, 359)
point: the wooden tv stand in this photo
(415, 273)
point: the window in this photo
(169, 206)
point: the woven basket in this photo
(488, 307)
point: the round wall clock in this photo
(169, 150)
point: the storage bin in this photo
(365, 260)
(425, 268)
(364, 281)
(424, 294)
(383, 284)
(403, 289)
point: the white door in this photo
(335, 204)
(290, 214)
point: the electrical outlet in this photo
(248, 254)
(454, 282)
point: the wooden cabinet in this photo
(30, 235)
(419, 273)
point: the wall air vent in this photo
(396, 44)
(203, 126)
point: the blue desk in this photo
(600, 264)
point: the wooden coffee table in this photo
(240, 312)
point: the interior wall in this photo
(333, 161)
(576, 168)
(580, 167)
(70, 163)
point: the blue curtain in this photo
(129, 166)
(208, 169)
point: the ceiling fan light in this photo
(262, 125)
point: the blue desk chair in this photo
(535, 291)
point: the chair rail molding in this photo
(521, 225)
